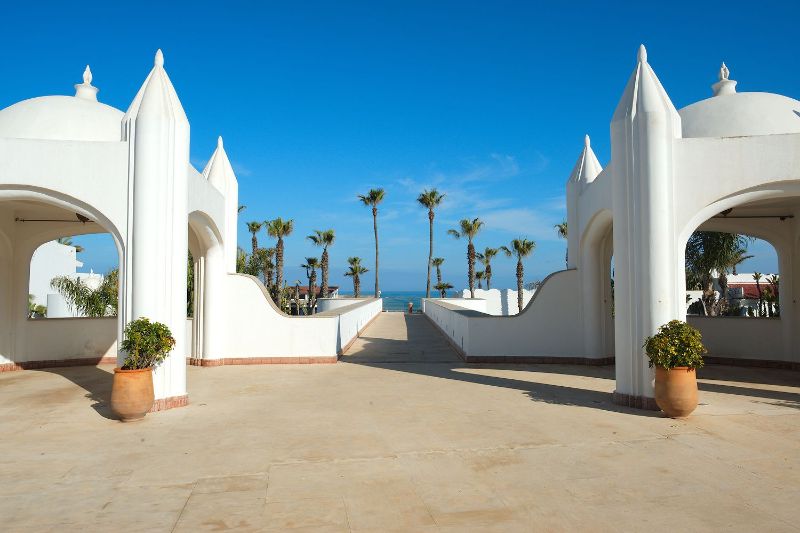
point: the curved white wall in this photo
(545, 328)
(501, 302)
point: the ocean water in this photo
(398, 300)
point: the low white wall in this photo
(256, 328)
(328, 304)
(741, 337)
(475, 304)
(501, 302)
(48, 339)
(353, 318)
(548, 326)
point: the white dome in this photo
(61, 118)
(741, 115)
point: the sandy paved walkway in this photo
(406, 446)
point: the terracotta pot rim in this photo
(132, 370)
(676, 368)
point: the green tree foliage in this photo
(99, 302)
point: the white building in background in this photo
(70, 165)
(53, 260)
(729, 163)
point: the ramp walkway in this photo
(400, 338)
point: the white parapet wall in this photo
(257, 329)
(742, 337)
(475, 304)
(501, 302)
(546, 328)
(329, 304)
(64, 339)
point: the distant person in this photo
(410, 308)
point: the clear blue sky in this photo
(317, 102)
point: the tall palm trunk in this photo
(520, 278)
(760, 298)
(471, 268)
(324, 264)
(375, 229)
(488, 276)
(430, 252)
(312, 289)
(438, 275)
(254, 242)
(723, 294)
(279, 264)
(357, 285)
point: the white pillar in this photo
(157, 131)
(648, 279)
(214, 303)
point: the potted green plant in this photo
(145, 345)
(677, 352)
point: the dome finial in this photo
(86, 90)
(642, 55)
(586, 141)
(724, 85)
(219, 141)
(159, 61)
(724, 72)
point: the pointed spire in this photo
(218, 170)
(644, 93)
(157, 96)
(86, 90)
(587, 167)
(724, 85)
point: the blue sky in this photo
(319, 101)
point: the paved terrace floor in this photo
(432, 445)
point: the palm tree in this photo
(324, 239)
(269, 266)
(774, 281)
(312, 263)
(520, 248)
(486, 260)
(278, 229)
(355, 272)
(241, 260)
(708, 252)
(67, 241)
(437, 262)
(254, 228)
(480, 275)
(99, 302)
(430, 199)
(373, 198)
(561, 231)
(757, 276)
(443, 288)
(469, 229)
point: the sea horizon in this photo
(398, 300)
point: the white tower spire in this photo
(220, 174)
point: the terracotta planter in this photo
(676, 391)
(132, 393)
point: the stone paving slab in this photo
(399, 446)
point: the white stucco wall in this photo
(255, 328)
(545, 328)
(501, 302)
(68, 338)
(476, 304)
(742, 337)
(329, 304)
